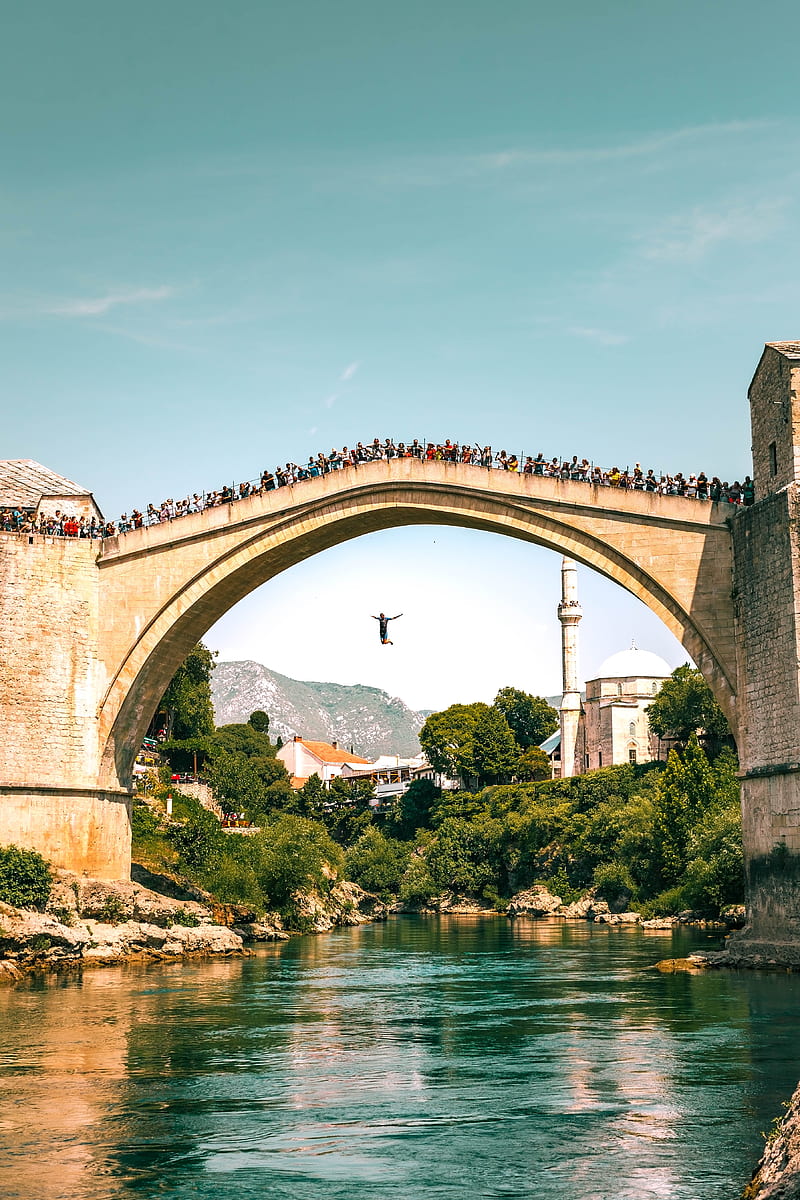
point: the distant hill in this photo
(369, 720)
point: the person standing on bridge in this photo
(383, 628)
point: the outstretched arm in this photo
(395, 618)
(374, 617)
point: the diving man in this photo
(383, 628)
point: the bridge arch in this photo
(165, 586)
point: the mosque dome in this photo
(634, 664)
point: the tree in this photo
(311, 798)
(377, 863)
(531, 718)
(187, 699)
(348, 811)
(259, 720)
(413, 809)
(685, 705)
(495, 753)
(447, 739)
(684, 793)
(245, 774)
(533, 765)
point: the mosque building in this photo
(610, 724)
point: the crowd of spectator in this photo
(695, 487)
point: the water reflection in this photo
(452, 1057)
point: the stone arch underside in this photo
(613, 543)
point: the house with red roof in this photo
(303, 759)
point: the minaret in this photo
(569, 614)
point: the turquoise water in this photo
(442, 1058)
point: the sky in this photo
(231, 235)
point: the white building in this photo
(303, 759)
(614, 727)
(610, 725)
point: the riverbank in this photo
(160, 917)
(92, 923)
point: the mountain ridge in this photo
(357, 715)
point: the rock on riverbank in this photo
(89, 922)
(777, 1176)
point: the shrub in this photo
(186, 918)
(417, 886)
(377, 863)
(24, 878)
(112, 911)
(612, 881)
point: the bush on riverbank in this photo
(25, 878)
(263, 871)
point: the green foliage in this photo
(242, 739)
(259, 720)
(377, 863)
(311, 798)
(197, 838)
(531, 718)
(112, 910)
(347, 811)
(188, 919)
(187, 700)
(613, 880)
(447, 739)
(685, 792)
(413, 809)
(292, 854)
(417, 885)
(244, 773)
(470, 741)
(532, 765)
(25, 878)
(494, 751)
(684, 706)
(462, 857)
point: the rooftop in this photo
(23, 482)
(325, 752)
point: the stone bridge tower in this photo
(766, 591)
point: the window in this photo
(773, 458)
(599, 758)
(631, 756)
(619, 689)
(632, 729)
(586, 761)
(655, 688)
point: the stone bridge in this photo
(91, 633)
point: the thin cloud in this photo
(329, 401)
(444, 169)
(349, 371)
(601, 337)
(655, 144)
(691, 235)
(99, 305)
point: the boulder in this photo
(27, 934)
(205, 939)
(269, 930)
(579, 910)
(777, 1176)
(660, 923)
(534, 902)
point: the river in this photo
(443, 1059)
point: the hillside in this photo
(365, 718)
